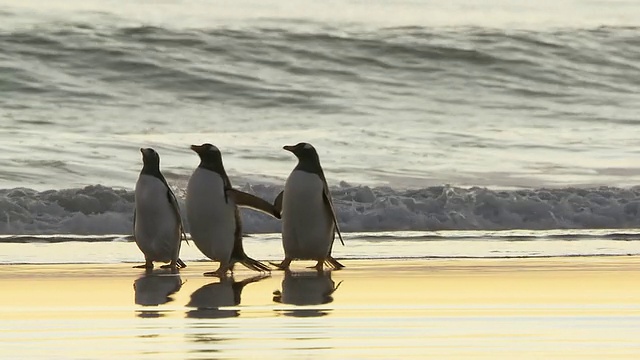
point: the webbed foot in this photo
(319, 266)
(147, 265)
(221, 271)
(218, 273)
(284, 265)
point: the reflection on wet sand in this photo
(155, 288)
(211, 297)
(306, 288)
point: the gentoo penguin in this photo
(211, 297)
(156, 289)
(157, 225)
(306, 288)
(213, 214)
(309, 221)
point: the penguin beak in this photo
(288, 147)
(196, 148)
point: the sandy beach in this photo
(565, 308)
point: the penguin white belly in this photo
(307, 226)
(212, 221)
(157, 230)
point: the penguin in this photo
(213, 214)
(210, 298)
(157, 225)
(306, 288)
(309, 222)
(156, 289)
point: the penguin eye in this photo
(307, 146)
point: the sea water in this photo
(426, 115)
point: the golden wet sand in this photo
(471, 308)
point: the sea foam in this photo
(100, 210)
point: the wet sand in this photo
(565, 308)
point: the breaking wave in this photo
(103, 211)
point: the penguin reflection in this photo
(306, 288)
(154, 289)
(211, 297)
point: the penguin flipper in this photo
(247, 200)
(277, 204)
(176, 210)
(326, 195)
(134, 223)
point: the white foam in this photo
(99, 210)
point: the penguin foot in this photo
(147, 265)
(284, 265)
(222, 271)
(218, 273)
(319, 266)
(174, 266)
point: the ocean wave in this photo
(291, 67)
(102, 210)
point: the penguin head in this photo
(210, 156)
(303, 151)
(150, 158)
